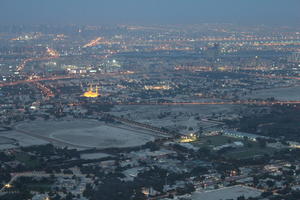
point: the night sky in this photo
(274, 12)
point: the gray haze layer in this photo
(277, 12)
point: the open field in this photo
(211, 141)
(101, 136)
(19, 139)
(6, 140)
(250, 149)
(85, 134)
(249, 152)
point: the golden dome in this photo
(91, 93)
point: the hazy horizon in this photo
(269, 12)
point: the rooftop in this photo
(227, 193)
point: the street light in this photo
(8, 186)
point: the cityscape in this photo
(158, 111)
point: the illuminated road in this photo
(52, 53)
(45, 90)
(138, 124)
(259, 103)
(93, 43)
(24, 62)
(268, 103)
(282, 77)
(52, 78)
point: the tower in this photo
(97, 90)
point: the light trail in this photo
(45, 90)
(21, 67)
(52, 78)
(282, 77)
(259, 103)
(219, 103)
(93, 43)
(52, 53)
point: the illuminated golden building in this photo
(91, 93)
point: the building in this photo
(241, 135)
(91, 93)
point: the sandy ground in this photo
(21, 139)
(85, 133)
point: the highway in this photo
(262, 103)
(45, 90)
(51, 78)
(93, 43)
(23, 64)
(138, 124)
